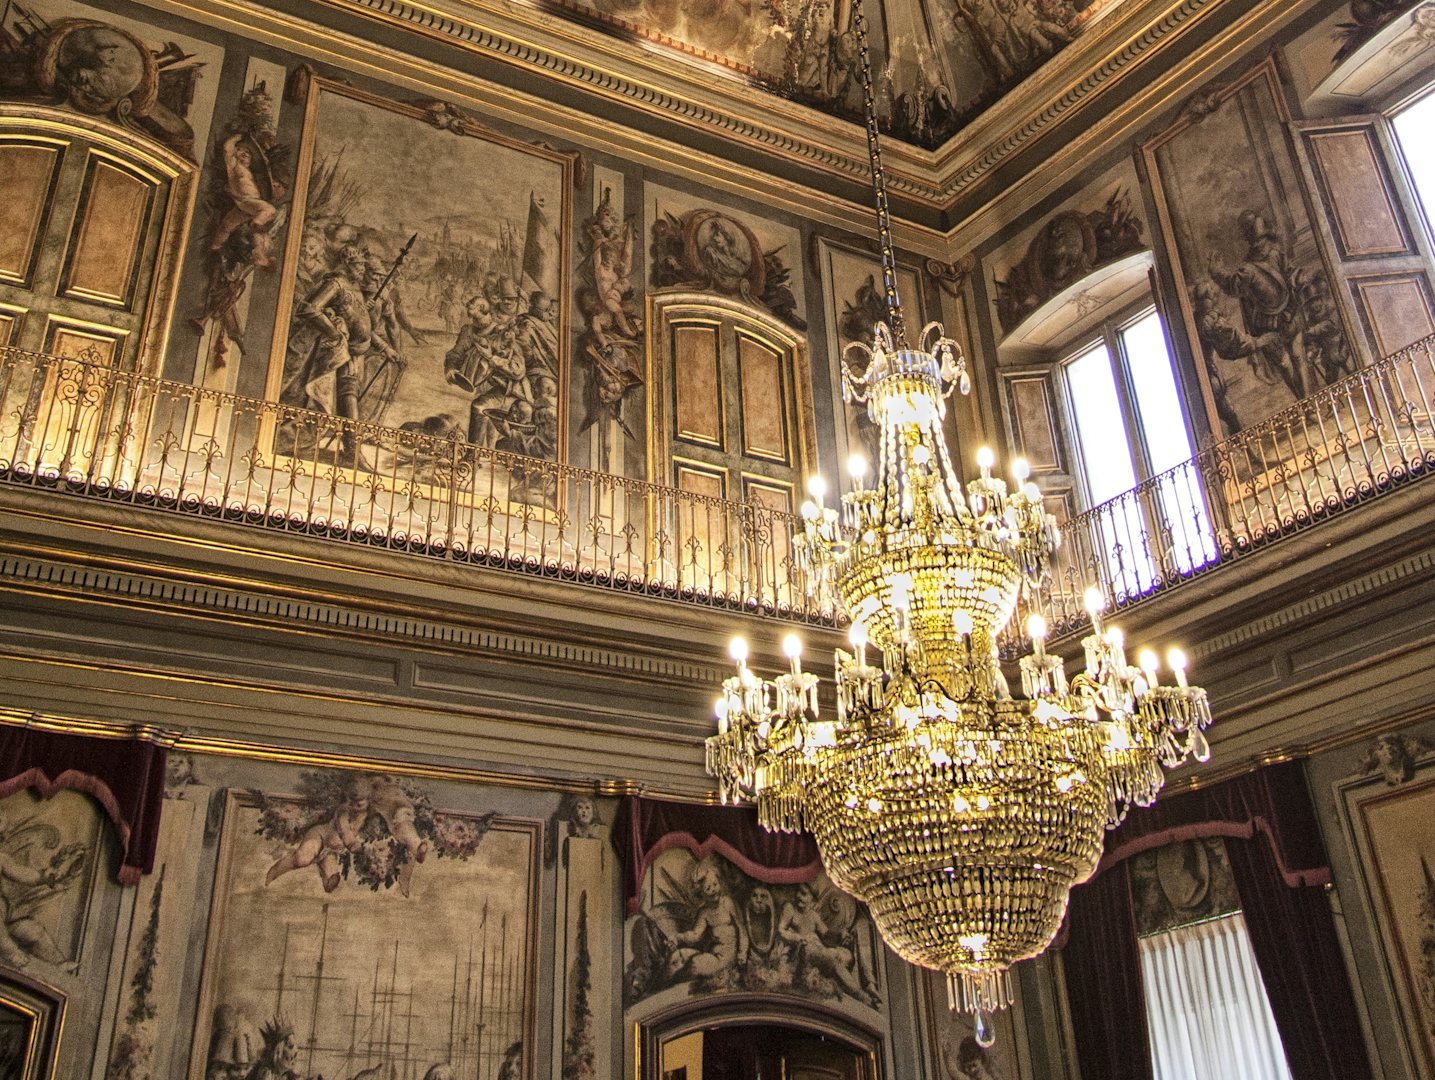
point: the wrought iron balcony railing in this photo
(1352, 441)
(73, 425)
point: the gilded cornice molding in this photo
(1394, 575)
(187, 742)
(293, 613)
(405, 70)
(804, 135)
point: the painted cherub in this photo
(805, 931)
(324, 843)
(714, 943)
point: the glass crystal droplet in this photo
(983, 1030)
(964, 383)
(1200, 747)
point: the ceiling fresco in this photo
(938, 63)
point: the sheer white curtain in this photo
(1206, 1005)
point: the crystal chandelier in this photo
(960, 814)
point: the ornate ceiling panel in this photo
(939, 62)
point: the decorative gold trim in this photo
(47, 1009)
(191, 743)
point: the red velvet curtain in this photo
(1103, 980)
(1279, 865)
(1298, 952)
(125, 777)
(644, 828)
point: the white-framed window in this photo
(1134, 448)
(1412, 123)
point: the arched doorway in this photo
(753, 1037)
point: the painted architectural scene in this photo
(936, 64)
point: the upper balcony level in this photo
(1319, 505)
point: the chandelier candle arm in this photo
(960, 815)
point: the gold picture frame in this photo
(1387, 825)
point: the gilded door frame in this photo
(726, 1010)
(159, 163)
(662, 304)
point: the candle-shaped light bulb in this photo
(737, 649)
(1177, 661)
(985, 460)
(1095, 602)
(1148, 663)
(1020, 470)
(857, 467)
(857, 634)
(1036, 630)
(720, 708)
(792, 649)
(817, 488)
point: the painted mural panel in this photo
(49, 849)
(610, 342)
(356, 926)
(717, 250)
(88, 59)
(1261, 318)
(705, 927)
(956, 1053)
(426, 298)
(246, 208)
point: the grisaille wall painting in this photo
(1182, 883)
(359, 930)
(1259, 311)
(49, 849)
(1067, 247)
(695, 245)
(160, 84)
(427, 298)
(246, 198)
(706, 927)
(935, 64)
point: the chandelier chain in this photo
(895, 318)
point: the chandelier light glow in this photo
(961, 814)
